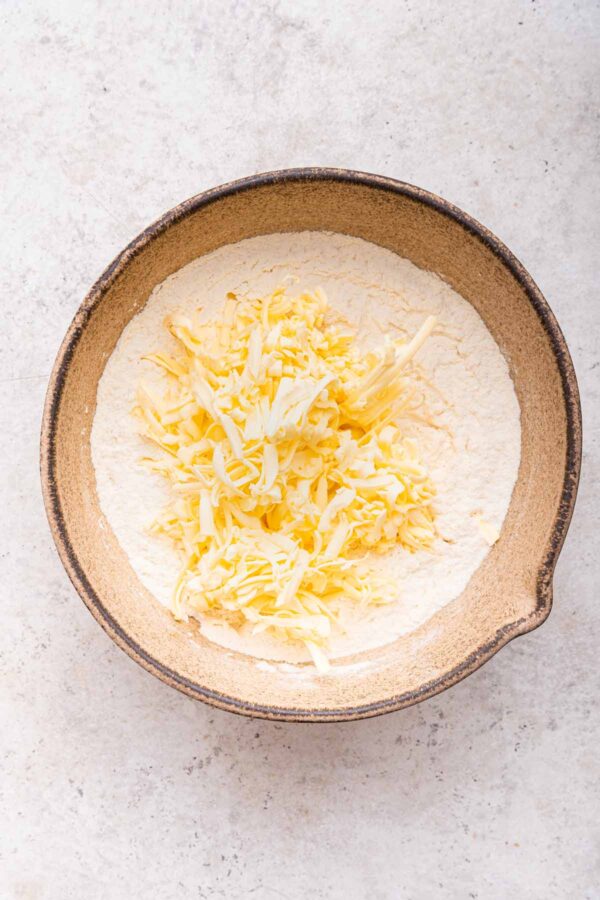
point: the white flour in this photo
(474, 462)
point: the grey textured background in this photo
(115, 786)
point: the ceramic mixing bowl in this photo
(511, 592)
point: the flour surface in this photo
(473, 454)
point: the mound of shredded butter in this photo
(283, 447)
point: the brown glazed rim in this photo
(564, 512)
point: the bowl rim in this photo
(564, 510)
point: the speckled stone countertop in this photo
(112, 784)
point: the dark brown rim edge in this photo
(60, 532)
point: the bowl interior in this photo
(510, 593)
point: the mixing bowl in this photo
(510, 593)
